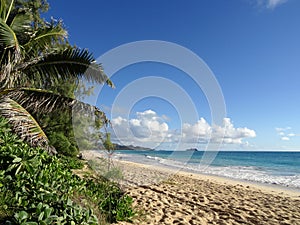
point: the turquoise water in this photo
(282, 168)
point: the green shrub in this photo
(71, 162)
(37, 188)
(62, 144)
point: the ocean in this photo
(280, 168)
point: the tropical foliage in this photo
(36, 188)
(35, 56)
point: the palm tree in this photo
(33, 58)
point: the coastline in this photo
(264, 187)
(164, 197)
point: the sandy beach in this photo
(164, 197)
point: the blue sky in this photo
(251, 46)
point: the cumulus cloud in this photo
(147, 127)
(227, 133)
(234, 135)
(200, 131)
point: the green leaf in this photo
(18, 169)
(39, 208)
(48, 212)
(43, 38)
(65, 64)
(16, 160)
(41, 216)
(20, 216)
(31, 223)
(21, 23)
(7, 36)
(69, 202)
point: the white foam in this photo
(249, 173)
(254, 174)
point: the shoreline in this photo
(162, 196)
(265, 187)
(234, 165)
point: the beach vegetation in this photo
(40, 70)
(105, 168)
(37, 188)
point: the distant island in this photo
(192, 149)
(131, 147)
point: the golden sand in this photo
(165, 197)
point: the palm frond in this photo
(3, 9)
(21, 23)
(43, 38)
(23, 123)
(9, 9)
(6, 6)
(43, 101)
(9, 59)
(66, 64)
(8, 38)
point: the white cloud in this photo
(285, 133)
(232, 135)
(118, 121)
(147, 113)
(270, 4)
(285, 138)
(282, 130)
(200, 131)
(147, 127)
